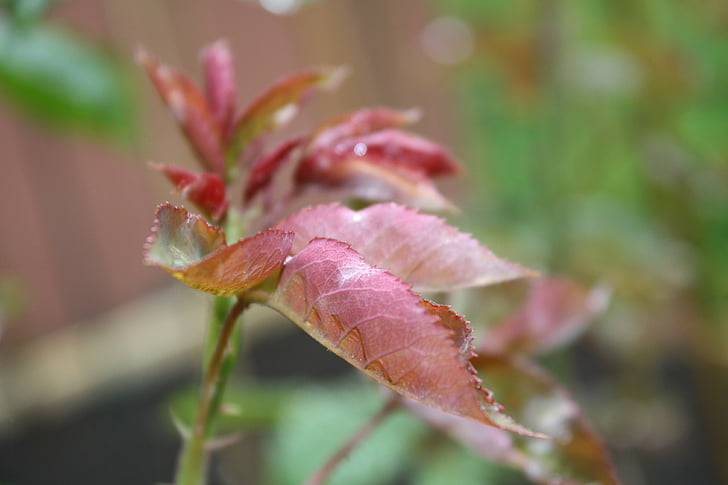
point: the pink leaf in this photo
(265, 167)
(555, 312)
(363, 180)
(390, 148)
(195, 252)
(358, 123)
(189, 108)
(421, 249)
(383, 165)
(375, 322)
(220, 83)
(278, 104)
(574, 456)
(206, 190)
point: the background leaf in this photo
(573, 456)
(556, 311)
(27, 10)
(317, 420)
(63, 80)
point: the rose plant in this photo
(274, 229)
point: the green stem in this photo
(192, 466)
(323, 473)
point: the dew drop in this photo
(360, 149)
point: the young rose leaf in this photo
(220, 83)
(421, 249)
(277, 105)
(574, 456)
(189, 108)
(371, 319)
(555, 312)
(194, 252)
(362, 180)
(360, 122)
(383, 165)
(206, 190)
(264, 168)
(395, 149)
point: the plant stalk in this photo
(325, 470)
(192, 465)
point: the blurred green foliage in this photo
(59, 77)
(597, 138)
(598, 131)
(317, 420)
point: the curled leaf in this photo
(194, 252)
(206, 190)
(375, 322)
(555, 312)
(573, 457)
(190, 109)
(360, 122)
(383, 165)
(391, 148)
(220, 83)
(278, 105)
(421, 249)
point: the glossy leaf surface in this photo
(555, 312)
(206, 190)
(390, 148)
(573, 457)
(190, 109)
(421, 249)
(195, 252)
(278, 104)
(373, 320)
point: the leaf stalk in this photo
(192, 465)
(325, 470)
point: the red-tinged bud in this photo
(220, 83)
(206, 190)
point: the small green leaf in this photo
(245, 406)
(317, 420)
(63, 80)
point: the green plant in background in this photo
(353, 280)
(599, 130)
(59, 77)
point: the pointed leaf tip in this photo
(278, 104)
(194, 252)
(189, 107)
(220, 87)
